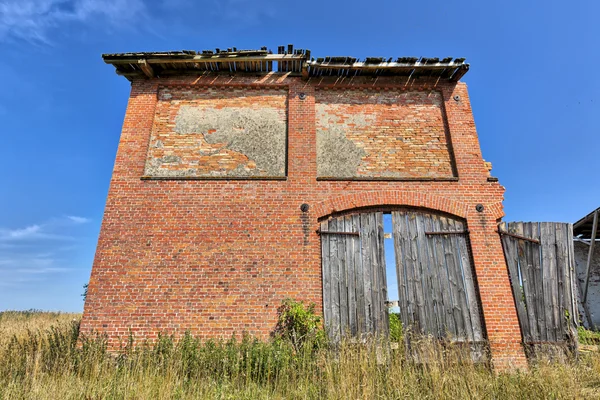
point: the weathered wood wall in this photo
(436, 284)
(354, 280)
(540, 260)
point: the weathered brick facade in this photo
(393, 134)
(178, 252)
(218, 132)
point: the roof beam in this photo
(584, 220)
(185, 58)
(363, 66)
(146, 68)
(159, 64)
(459, 73)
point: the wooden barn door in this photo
(436, 286)
(354, 282)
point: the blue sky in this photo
(533, 85)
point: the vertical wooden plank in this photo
(540, 310)
(588, 265)
(365, 239)
(412, 321)
(404, 301)
(335, 281)
(562, 278)
(457, 310)
(383, 292)
(414, 264)
(326, 276)
(435, 271)
(361, 322)
(343, 276)
(557, 317)
(350, 269)
(572, 285)
(529, 280)
(373, 271)
(549, 278)
(469, 283)
(409, 263)
(524, 250)
(343, 268)
(444, 279)
(460, 278)
(426, 275)
(512, 260)
(375, 274)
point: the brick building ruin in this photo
(245, 177)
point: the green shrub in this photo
(588, 337)
(299, 325)
(395, 327)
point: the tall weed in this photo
(50, 363)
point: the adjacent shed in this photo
(587, 258)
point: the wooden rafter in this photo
(287, 60)
(146, 68)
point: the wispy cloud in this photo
(33, 20)
(22, 233)
(78, 220)
(24, 267)
(53, 229)
(32, 232)
(18, 267)
(41, 270)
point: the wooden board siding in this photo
(539, 256)
(354, 282)
(438, 296)
(436, 283)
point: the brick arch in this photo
(391, 198)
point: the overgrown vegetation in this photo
(588, 337)
(299, 325)
(40, 359)
(395, 327)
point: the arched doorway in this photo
(437, 293)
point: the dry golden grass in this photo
(19, 322)
(39, 359)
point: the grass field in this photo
(40, 359)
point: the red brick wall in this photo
(216, 257)
(399, 133)
(201, 132)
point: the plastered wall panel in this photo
(381, 134)
(218, 133)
